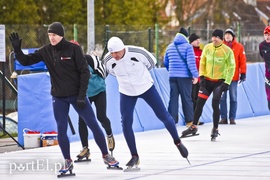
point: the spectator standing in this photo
(264, 49)
(239, 74)
(179, 60)
(195, 41)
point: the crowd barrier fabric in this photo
(35, 103)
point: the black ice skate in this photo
(111, 162)
(214, 134)
(191, 131)
(183, 150)
(132, 165)
(84, 155)
(67, 167)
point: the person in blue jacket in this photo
(180, 62)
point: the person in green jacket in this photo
(217, 66)
(96, 93)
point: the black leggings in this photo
(194, 94)
(211, 86)
(100, 103)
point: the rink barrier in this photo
(35, 103)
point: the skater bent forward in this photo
(131, 65)
(96, 92)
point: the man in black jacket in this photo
(69, 74)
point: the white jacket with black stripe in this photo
(132, 71)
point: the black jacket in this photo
(66, 64)
(264, 49)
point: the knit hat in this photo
(183, 31)
(193, 37)
(266, 30)
(230, 31)
(115, 44)
(56, 28)
(218, 33)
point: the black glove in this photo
(15, 41)
(242, 78)
(225, 87)
(202, 81)
(81, 102)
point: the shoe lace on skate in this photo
(84, 151)
(67, 164)
(109, 159)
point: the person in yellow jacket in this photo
(217, 66)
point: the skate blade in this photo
(132, 169)
(189, 135)
(65, 174)
(82, 160)
(114, 168)
(188, 161)
(213, 139)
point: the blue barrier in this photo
(35, 106)
(40, 66)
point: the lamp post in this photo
(90, 25)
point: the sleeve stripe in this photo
(99, 66)
(146, 54)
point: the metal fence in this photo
(153, 38)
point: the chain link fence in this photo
(153, 38)
(11, 126)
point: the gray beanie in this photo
(230, 31)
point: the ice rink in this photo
(241, 152)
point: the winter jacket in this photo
(176, 65)
(98, 73)
(264, 49)
(198, 53)
(66, 64)
(239, 57)
(217, 63)
(132, 70)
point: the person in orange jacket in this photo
(239, 74)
